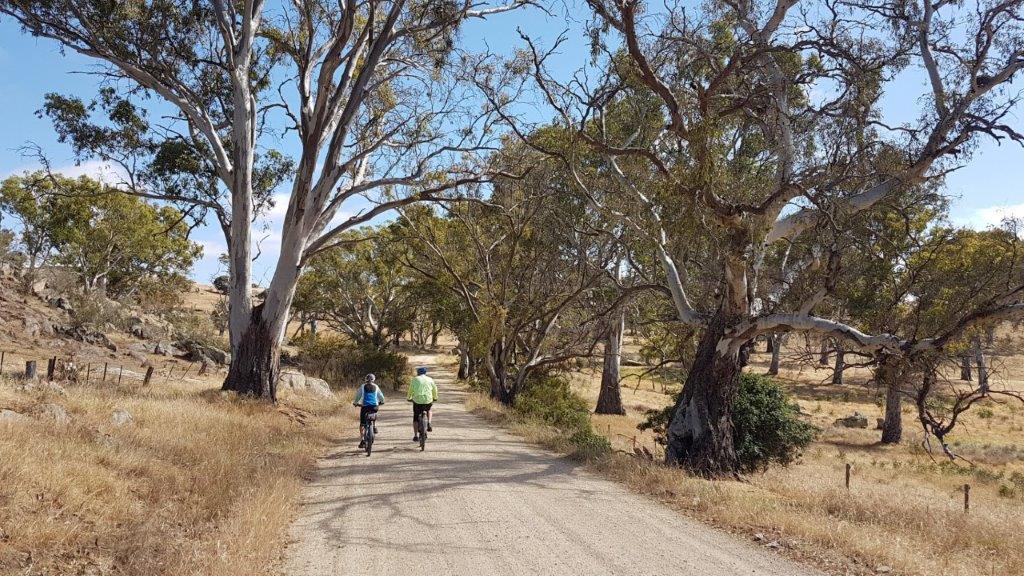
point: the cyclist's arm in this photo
(433, 389)
(380, 396)
(409, 395)
(359, 396)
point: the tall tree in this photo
(369, 90)
(741, 135)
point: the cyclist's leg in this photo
(430, 411)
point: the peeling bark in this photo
(609, 401)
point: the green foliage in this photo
(341, 362)
(93, 310)
(766, 425)
(107, 238)
(549, 399)
(198, 327)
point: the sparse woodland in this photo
(707, 253)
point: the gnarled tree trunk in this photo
(609, 401)
(700, 434)
(979, 361)
(775, 341)
(840, 365)
(823, 358)
(889, 373)
(965, 368)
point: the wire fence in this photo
(16, 365)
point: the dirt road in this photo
(480, 502)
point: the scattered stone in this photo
(39, 288)
(196, 352)
(774, 545)
(55, 412)
(12, 417)
(43, 386)
(61, 303)
(856, 421)
(83, 334)
(759, 537)
(35, 327)
(292, 381)
(164, 348)
(883, 569)
(120, 417)
(148, 327)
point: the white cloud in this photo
(982, 218)
(96, 169)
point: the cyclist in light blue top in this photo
(370, 397)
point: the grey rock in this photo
(291, 381)
(856, 421)
(164, 348)
(121, 417)
(12, 417)
(38, 288)
(55, 412)
(43, 386)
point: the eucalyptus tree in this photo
(369, 92)
(527, 264)
(765, 105)
(360, 287)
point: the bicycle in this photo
(369, 430)
(422, 425)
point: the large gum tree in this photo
(769, 129)
(368, 92)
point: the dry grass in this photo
(904, 509)
(198, 483)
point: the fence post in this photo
(119, 374)
(104, 372)
(3, 354)
(967, 497)
(51, 367)
(88, 370)
(848, 467)
(30, 369)
(149, 374)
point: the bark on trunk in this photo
(255, 361)
(700, 434)
(979, 362)
(840, 365)
(776, 344)
(823, 359)
(965, 368)
(890, 375)
(769, 344)
(463, 364)
(609, 401)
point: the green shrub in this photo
(985, 413)
(588, 445)
(341, 362)
(766, 425)
(551, 400)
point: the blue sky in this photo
(989, 187)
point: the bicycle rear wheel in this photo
(423, 431)
(369, 439)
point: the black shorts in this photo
(418, 409)
(363, 411)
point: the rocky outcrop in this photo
(149, 327)
(198, 352)
(856, 421)
(121, 417)
(55, 412)
(292, 381)
(83, 334)
(12, 417)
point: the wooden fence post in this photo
(149, 374)
(3, 355)
(967, 497)
(88, 370)
(104, 372)
(30, 369)
(119, 374)
(51, 367)
(848, 467)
